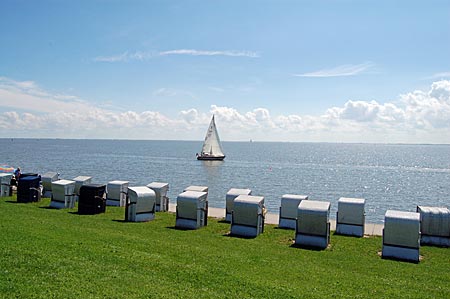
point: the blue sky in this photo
(337, 71)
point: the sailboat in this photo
(211, 150)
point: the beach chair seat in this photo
(116, 193)
(141, 204)
(192, 210)
(288, 210)
(248, 216)
(5, 187)
(313, 224)
(63, 196)
(401, 235)
(28, 188)
(229, 200)
(350, 217)
(162, 201)
(91, 199)
(434, 226)
(47, 179)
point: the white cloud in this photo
(440, 75)
(170, 92)
(429, 110)
(142, 56)
(216, 89)
(30, 97)
(296, 123)
(262, 117)
(234, 119)
(46, 114)
(418, 116)
(359, 111)
(367, 112)
(190, 115)
(340, 71)
(114, 58)
(440, 90)
(165, 92)
(193, 52)
(229, 115)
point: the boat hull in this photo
(211, 158)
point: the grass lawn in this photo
(47, 253)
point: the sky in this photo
(269, 70)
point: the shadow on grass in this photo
(83, 214)
(398, 259)
(284, 228)
(181, 228)
(124, 221)
(345, 235)
(230, 235)
(49, 208)
(14, 201)
(223, 221)
(312, 248)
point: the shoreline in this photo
(370, 229)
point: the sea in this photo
(387, 176)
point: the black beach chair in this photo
(92, 199)
(28, 188)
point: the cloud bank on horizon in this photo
(420, 116)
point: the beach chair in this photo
(116, 193)
(141, 204)
(5, 187)
(47, 179)
(162, 201)
(434, 226)
(91, 199)
(196, 188)
(248, 215)
(34, 174)
(350, 217)
(401, 236)
(229, 200)
(313, 224)
(80, 181)
(63, 194)
(192, 210)
(28, 188)
(288, 210)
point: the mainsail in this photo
(212, 146)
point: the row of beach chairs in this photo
(403, 232)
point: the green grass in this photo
(47, 253)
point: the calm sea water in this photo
(387, 176)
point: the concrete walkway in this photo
(370, 229)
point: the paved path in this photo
(370, 229)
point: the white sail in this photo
(212, 146)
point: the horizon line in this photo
(227, 141)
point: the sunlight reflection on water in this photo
(387, 176)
